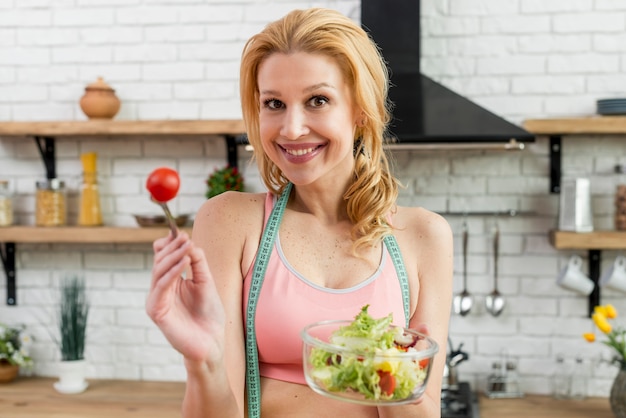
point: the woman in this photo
(317, 246)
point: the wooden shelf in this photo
(614, 125)
(122, 128)
(82, 235)
(596, 240)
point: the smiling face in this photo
(307, 119)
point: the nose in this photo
(294, 124)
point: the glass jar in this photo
(561, 379)
(6, 204)
(579, 380)
(51, 203)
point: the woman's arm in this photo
(433, 250)
(202, 316)
(227, 228)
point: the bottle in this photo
(512, 379)
(89, 213)
(51, 207)
(561, 379)
(6, 204)
(495, 381)
(579, 380)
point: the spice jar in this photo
(6, 204)
(89, 212)
(51, 203)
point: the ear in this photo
(361, 119)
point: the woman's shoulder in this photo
(421, 229)
(420, 219)
(232, 209)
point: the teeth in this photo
(299, 152)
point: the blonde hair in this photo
(371, 196)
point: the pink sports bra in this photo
(287, 302)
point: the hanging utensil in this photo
(494, 302)
(462, 303)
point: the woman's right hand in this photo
(188, 310)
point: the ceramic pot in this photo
(71, 377)
(99, 101)
(618, 394)
(8, 372)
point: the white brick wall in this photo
(179, 59)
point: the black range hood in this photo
(424, 110)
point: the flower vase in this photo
(71, 377)
(618, 394)
(8, 372)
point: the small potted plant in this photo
(73, 312)
(14, 351)
(224, 179)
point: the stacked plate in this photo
(611, 106)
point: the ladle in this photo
(462, 302)
(494, 302)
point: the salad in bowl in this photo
(367, 360)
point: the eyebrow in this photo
(306, 90)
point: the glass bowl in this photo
(391, 376)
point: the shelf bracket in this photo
(7, 253)
(595, 258)
(47, 151)
(232, 153)
(555, 164)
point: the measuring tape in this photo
(396, 256)
(258, 274)
(260, 266)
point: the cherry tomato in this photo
(163, 184)
(387, 382)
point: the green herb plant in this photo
(224, 179)
(72, 319)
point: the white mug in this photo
(572, 277)
(615, 276)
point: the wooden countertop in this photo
(36, 398)
(537, 406)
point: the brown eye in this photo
(272, 104)
(318, 101)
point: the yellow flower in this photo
(616, 337)
(610, 311)
(601, 322)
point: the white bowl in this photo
(391, 377)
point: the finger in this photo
(160, 243)
(198, 265)
(170, 262)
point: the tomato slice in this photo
(163, 184)
(387, 382)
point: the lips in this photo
(301, 153)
